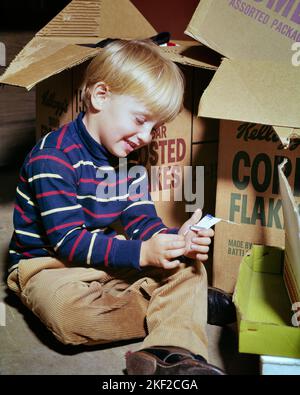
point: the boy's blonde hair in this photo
(137, 68)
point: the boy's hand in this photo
(197, 242)
(161, 249)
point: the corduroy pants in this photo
(82, 305)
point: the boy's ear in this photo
(99, 93)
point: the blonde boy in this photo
(86, 283)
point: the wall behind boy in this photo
(168, 15)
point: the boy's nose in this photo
(145, 136)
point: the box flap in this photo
(258, 92)
(99, 18)
(54, 48)
(260, 29)
(292, 237)
(42, 58)
(192, 53)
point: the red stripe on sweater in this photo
(27, 254)
(52, 158)
(61, 136)
(26, 219)
(75, 245)
(135, 220)
(150, 228)
(18, 244)
(101, 215)
(18, 208)
(64, 226)
(51, 193)
(136, 197)
(22, 179)
(74, 146)
(108, 248)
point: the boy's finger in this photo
(174, 253)
(175, 245)
(172, 237)
(204, 241)
(200, 248)
(206, 232)
(202, 257)
(196, 216)
(170, 264)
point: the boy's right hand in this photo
(161, 249)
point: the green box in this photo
(263, 305)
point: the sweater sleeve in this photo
(139, 218)
(54, 185)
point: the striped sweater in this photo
(60, 212)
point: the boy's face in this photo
(124, 124)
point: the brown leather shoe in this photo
(220, 308)
(168, 361)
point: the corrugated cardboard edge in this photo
(99, 18)
(233, 96)
(292, 232)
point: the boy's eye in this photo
(140, 121)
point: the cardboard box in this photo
(248, 194)
(230, 96)
(55, 62)
(263, 306)
(267, 287)
(255, 87)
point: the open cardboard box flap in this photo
(261, 30)
(54, 48)
(255, 91)
(99, 18)
(258, 84)
(292, 238)
(42, 58)
(60, 44)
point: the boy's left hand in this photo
(197, 242)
